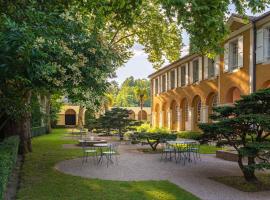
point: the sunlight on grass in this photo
(41, 181)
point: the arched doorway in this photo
(197, 106)
(184, 114)
(131, 114)
(157, 115)
(70, 117)
(142, 115)
(174, 121)
(233, 95)
(211, 101)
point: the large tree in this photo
(205, 20)
(245, 127)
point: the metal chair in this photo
(87, 150)
(167, 150)
(110, 152)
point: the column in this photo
(190, 119)
(204, 115)
(179, 117)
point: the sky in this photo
(139, 67)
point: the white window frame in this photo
(262, 46)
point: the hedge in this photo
(36, 131)
(189, 135)
(8, 151)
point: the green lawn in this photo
(41, 181)
(240, 183)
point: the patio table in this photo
(185, 148)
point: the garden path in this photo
(137, 166)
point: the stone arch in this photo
(157, 115)
(174, 115)
(142, 115)
(233, 95)
(266, 84)
(184, 114)
(70, 117)
(211, 102)
(131, 114)
(197, 111)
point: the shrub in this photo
(8, 151)
(145, 127)
(153, 139)
(189, 135)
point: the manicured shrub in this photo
(8, 152)
(189, 135)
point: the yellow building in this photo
(185, 91)
(69, 115)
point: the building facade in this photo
(69, 114)
(185, 92)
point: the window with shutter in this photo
(226, 57)
(156, 86)
(233, 55)
(211, 68)
(259, 46)
(195, 69)
(172, 75)
(163, 83)
(266, 44)
(183, 75)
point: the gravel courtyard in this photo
(192, 177)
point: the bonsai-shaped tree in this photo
(156, 136)
(117, 118)
(246, 127)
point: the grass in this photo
(41, 181)
(204, 149)
(240, 183)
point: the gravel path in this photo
(192, 177)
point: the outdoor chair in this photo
(110, 153)
(181, 152)
(88, 151)
(195, 150)
(168, 150)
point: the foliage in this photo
(39, 165)
(127, 95)
(208, 18)
(145, 127)
(117, 118)
(246, 127)
(189, 135)
(8, 151)
(55, 107)
(36, 114)
(153, 139)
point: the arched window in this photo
(199, 108)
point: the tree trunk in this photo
(21, 127)
(48, 113)
(249, 174)
(80, 117)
